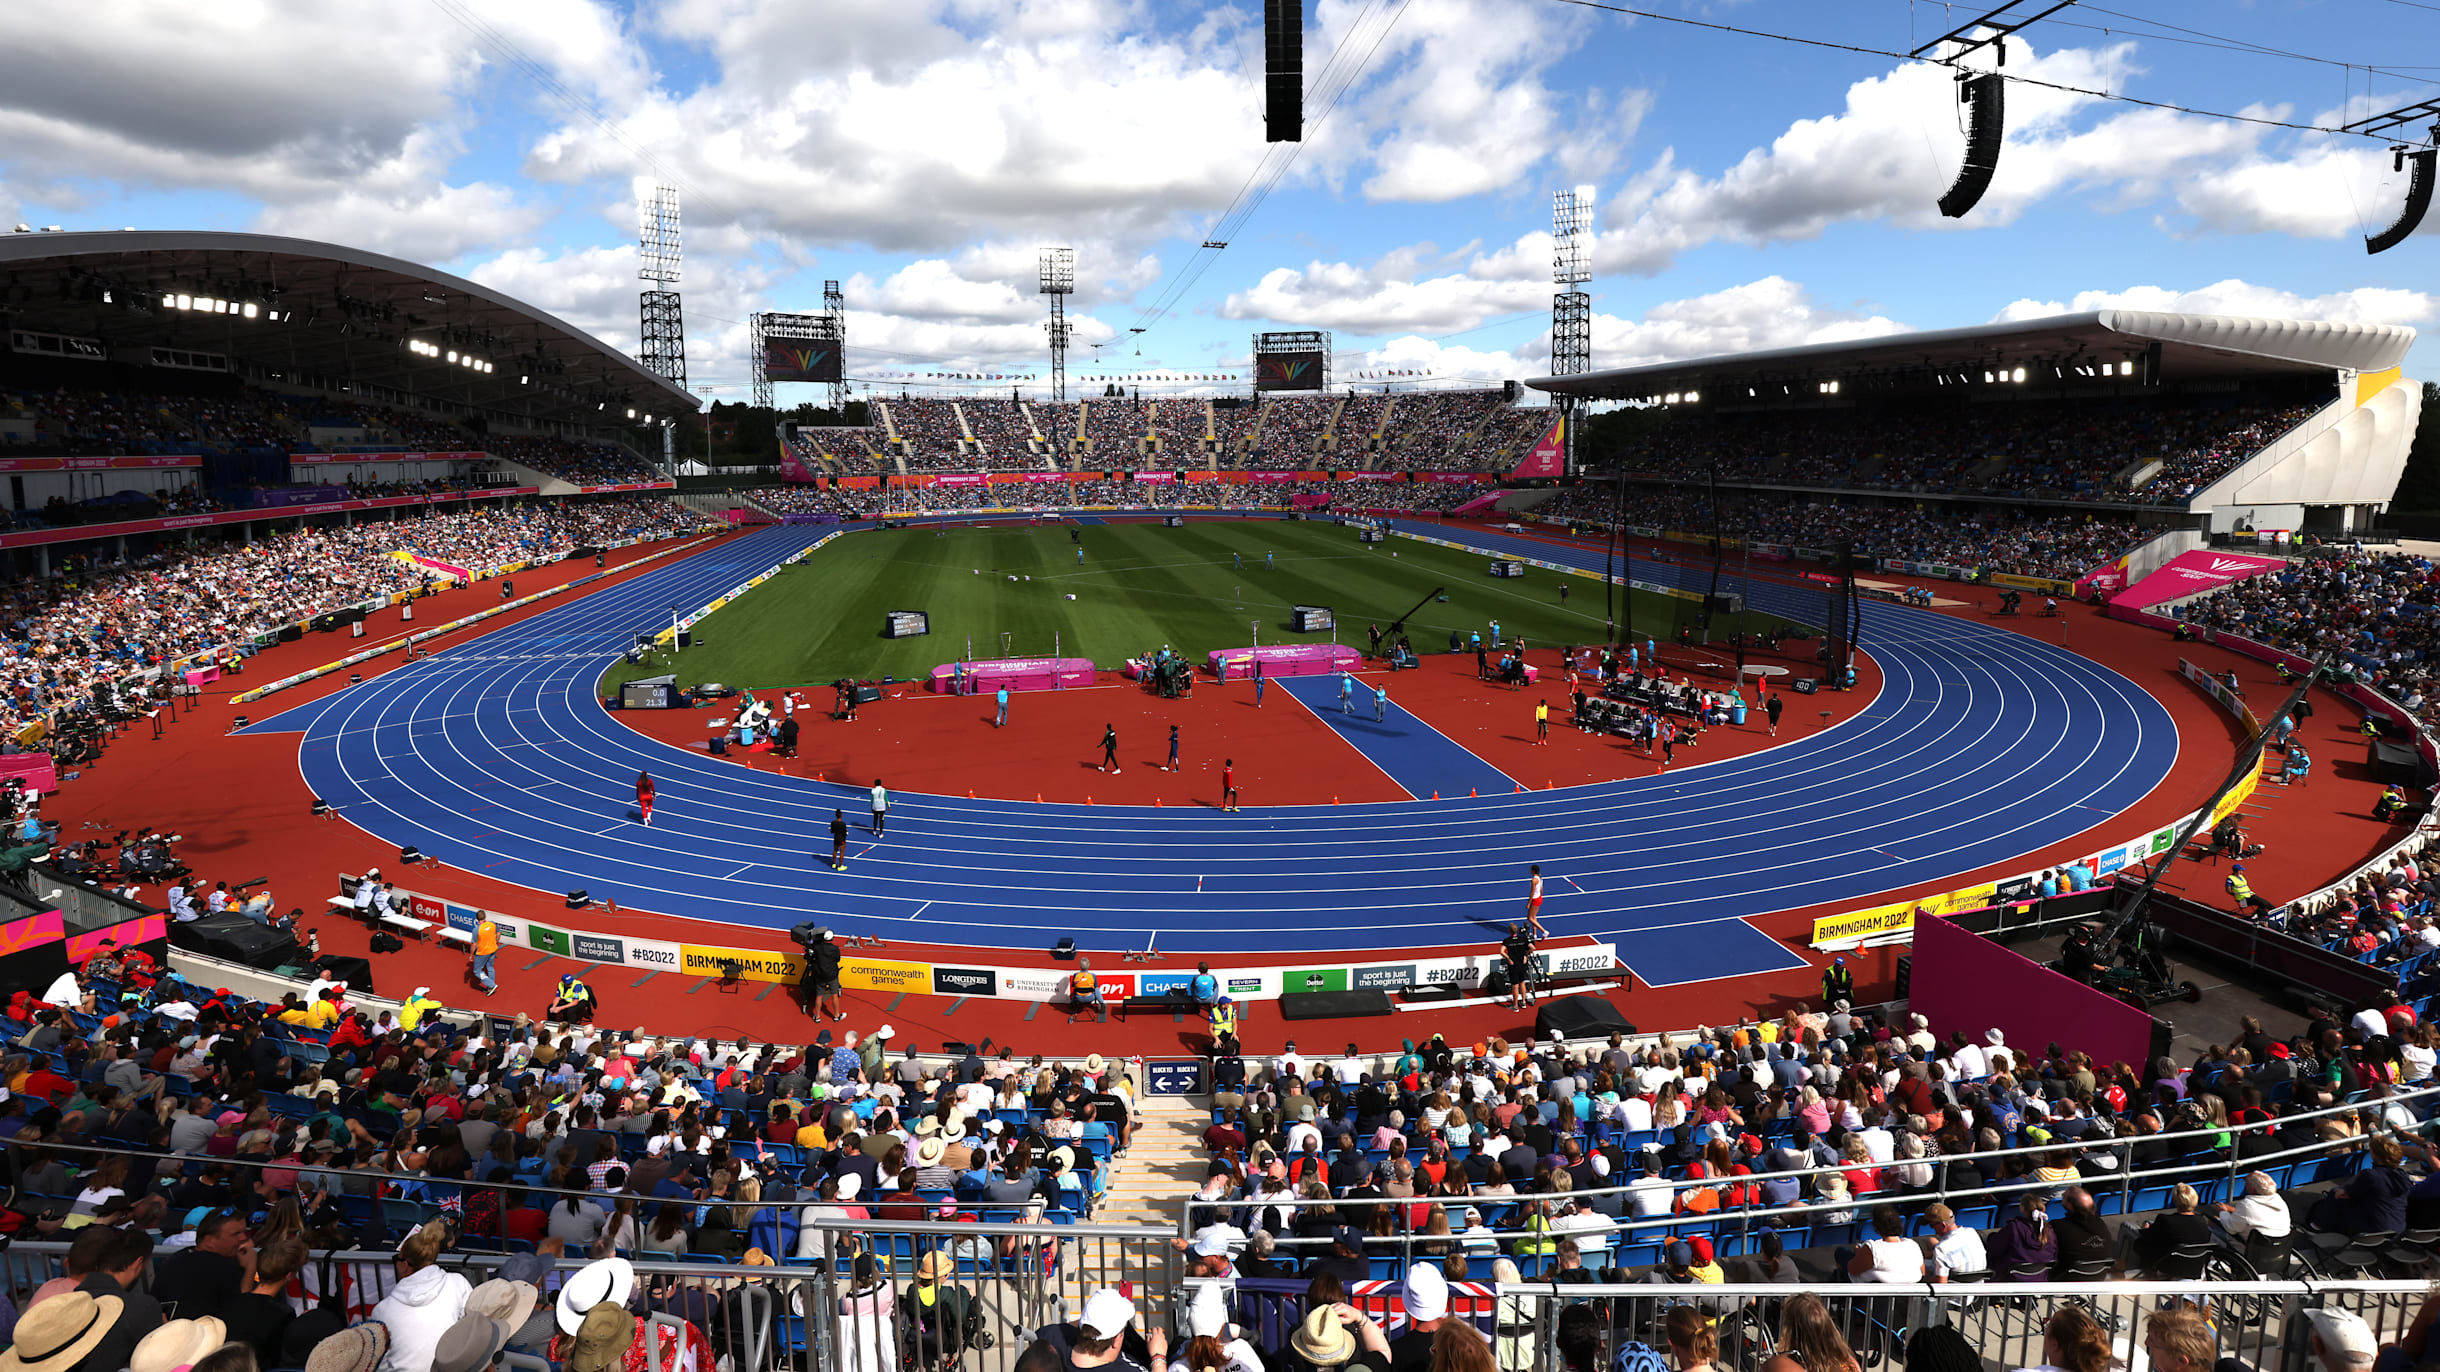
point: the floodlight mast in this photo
(660, 255)
(1058, 281)
(1571, 309)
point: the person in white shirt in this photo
(1878, 1142)
(1349, 1069)
(1298, 1133)
(1649, 1194)
(1920, 1036)
(1635, 1112)
(1288, 1066)
(2372, 1022)
(1891, 1259)
(1956, 1250)
(2261, 1210)
(1968, 1063)
(2417, 1057)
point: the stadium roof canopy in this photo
(322, 311)
(2164, 348)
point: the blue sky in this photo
(1752, 193)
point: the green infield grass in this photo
(1140, 586)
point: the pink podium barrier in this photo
(1284, 659)
(34, 769)
(1015, 673)
(201, 676)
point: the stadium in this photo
(486, 891)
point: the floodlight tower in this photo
(1571, 309)
(1058, 282)
(664, 329)
(834, 325)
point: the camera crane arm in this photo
(1396, 626)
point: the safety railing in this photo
(2217, 1176)
(1544, 1327)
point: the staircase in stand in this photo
(1162, 1167)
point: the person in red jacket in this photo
(643, 795)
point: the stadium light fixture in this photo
(253, 310)
(2020, 376)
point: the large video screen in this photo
(796, 360)
(1288, 372)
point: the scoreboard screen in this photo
(909, 624)
(1311, 619)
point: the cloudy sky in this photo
(1751, 193)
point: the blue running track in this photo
(1421, 759)
(496, 758)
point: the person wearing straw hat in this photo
(178, 1345)
(63, 1333)
(471, 1345)
(1338, 1336)
(936, 1317)
(358, 1348)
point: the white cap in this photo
(421, 991)
(885, 1032)
(850, 1185)
(1426, 1292)
(1207, 1317)
(2346, 1341)
(1107, 1314)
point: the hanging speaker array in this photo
(1986, 100)
(1283, 46)
(2418, 194)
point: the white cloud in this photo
(1391, 295)
(2362, 305)
(1773, 312)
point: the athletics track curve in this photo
(497, 758)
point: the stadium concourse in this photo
(247, 814)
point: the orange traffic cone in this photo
(969, 793)
(1088, 800)
(1520, 788)
(1156, 802)
(1471, 792)
(1334, 800)
(1436, 795)
(1037, 797)
(1547, 784)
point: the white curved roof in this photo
(2191, 345)
(2318, 343)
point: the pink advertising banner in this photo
(33, 537)
(792, 467)
(1279, 478)
(964, 480)
(1455, 478)
(1033, 477)
(2105, 580)
(2192, 574)
(1156, 478)
(96, 464)
(1369, 476)
(386, 457)
(1549, 457)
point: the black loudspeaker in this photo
(1804, 685)
(1508, 392)
(2418, 202)
(1366, 1004)
(1580, 1017)
(356, 972)
(1987, 98)
(2396, 764)
(1495, 981)
(235, 938)
(1283, 44)
(1906, 977)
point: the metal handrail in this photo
(2127, 1179)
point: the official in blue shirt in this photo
(1205, 988)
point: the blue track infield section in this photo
(496, 758)
(1417, 756)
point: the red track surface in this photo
(244, 810)
(1285, 754)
